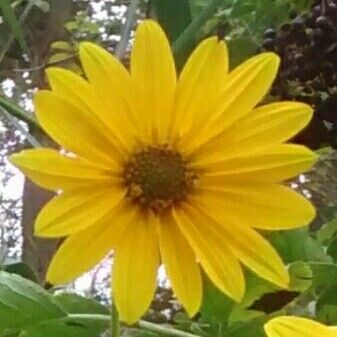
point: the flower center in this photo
(158, 177)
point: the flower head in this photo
(289, 326)
(182, 172)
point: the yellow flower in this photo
(288, 326)
(159, 170)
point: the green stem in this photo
(115, 325)
(18, 112)
(30, 138)
(164, 329)
(168, 331)
(11, 38)
(189, 33)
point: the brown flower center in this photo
(158, 177)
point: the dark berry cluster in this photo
(307, 45)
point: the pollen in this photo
(158, 177)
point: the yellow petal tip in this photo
(149, 27)
(38, 231)
(86, 48)
(18, 159)
(271, 56)
(14, 159)
(52, 279)
(312, 213)
(284, 280)
(149, 22)
(193, 308)
(239, 297)
(271, 60)
(86, 44)
(53, 70)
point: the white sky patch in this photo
(14, 187)
(7, 87)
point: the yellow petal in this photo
(203, 74)
(212, 251)
(74, 129)
(247, 245)
(77, 209)
(275, 164)
(244, 87)
(67, 83)
(81, 93)
(154, 79)
(49, 169)
(261, 205)
(180, 264)
(332, 330)
(105, 72)
(82, 251)
(111, 83)
(135, 269)
(287, 326)
(264, 127)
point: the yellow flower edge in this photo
(181, 171)
(290, 326)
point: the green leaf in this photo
(68, 327)
(24, 303)
(27, 310)
(324, 274)
(62, 45)
(252, 328)
(174, 16)
(298, 245)
(184, 44)
(256, 287)
(215, 309)
(221, 312)
(21, 269)
(11, 19)
(198, 5)
(327, 231)
(326, 306)
(262, 296)
(332, 249)
(76, 304)
(301, 276)
(240, 49)
(216, 306)
(58, 58)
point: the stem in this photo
(31, 139)
(168, 331)
(18, 112)
(11, 38)
(164, 329)
(115, 325)
(188, 34)
(130, 19)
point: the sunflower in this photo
(181, 172)
(288, 326)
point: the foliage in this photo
(28, 310)
(173, 15)
(11, 19)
